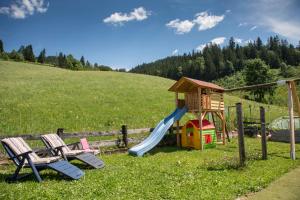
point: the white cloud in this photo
(243, 24)
(238, 40)
(200, 47)
(207, 21)
(228, 11)
(20, 9)
(253, 28)
(4, 10)
(175, 52)
(217, 41)
(137, 14)
(181, 27)
(285, 21)
(286, 28)
(248, 41)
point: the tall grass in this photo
(39, 99)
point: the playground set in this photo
(202, 99)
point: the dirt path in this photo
(286, 187)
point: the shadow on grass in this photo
(28, 176)
(167, 149)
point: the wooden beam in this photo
(242, 153)
(292, 124)
(200, 117)
(260, 85)
(223, 127)
(295, 97)
(178, 139)
(204, 113)
(263, 133)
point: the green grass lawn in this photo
(165, 173)
(40, 99)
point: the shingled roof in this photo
(185, 84)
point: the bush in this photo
(4, 56)
(16, 56)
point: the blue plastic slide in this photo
(158, 133)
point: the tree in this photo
(257, 72)
(258, 43)
(82, 60)
(87, 64)
(21, 49)
(14, 55)
(1, 47)
(62, 60)
(28, 54)
(231, 43)
(42, 56)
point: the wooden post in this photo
(178, 139)
(60, 132)
(239, 114)
(263, 133)
(223, 127)
(125, 135)
(228, 115)
(292, 125)
(200, 117)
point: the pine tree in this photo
(1, 47)
(87, 64)
(231, 43)
(82, 61)
(61, 60)
(28, 54)
(21, 49)
(258, 43)
(42, 56)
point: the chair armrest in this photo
(24, 154)
(59, 149)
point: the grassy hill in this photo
(37, 99)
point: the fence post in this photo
(60, 132)
(292, 124)
(125, 135)
(239, 114)
(263, 133)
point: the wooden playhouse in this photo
(201, 99)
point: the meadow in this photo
(165, 173)
(39, 99)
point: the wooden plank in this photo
(242, 153)
(295, 97)
(292, 124)
(263, 133)
(200, 117)
(264, 85)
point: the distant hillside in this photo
(215, 62)
(37, 99)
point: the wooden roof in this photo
(185, 84)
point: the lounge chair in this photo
(86, 147)
(23, 156)
(58, 147)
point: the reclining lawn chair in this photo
(23, 156)
(58, 147)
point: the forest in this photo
(214, 62)
(26, 54)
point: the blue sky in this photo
(124, 33)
